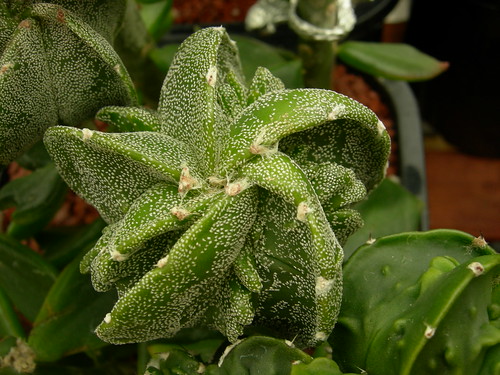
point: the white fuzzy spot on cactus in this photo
(5, 68)
(335, 112)
(201, 369)
(303, 210)
(380, 127)
(25, 24)
(323, 286)
(371, 240)
(107, 318)
(117, 256)
(236, 187)
(289, 343)
(161, 263)
(180, 213)
(479, 242)
(429, 332)
(477, 268)
(186, 181)
(258, 149)
(216, 181)
(297, 362)
(320, 336)
(212, 76)
(86, 134)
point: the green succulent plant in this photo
(421, 303)
(228, 205)
(57, 66)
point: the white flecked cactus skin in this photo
(226, 206)
(57, 66)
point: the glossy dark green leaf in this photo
(261, 355)
(389, 209)
(391, 60)
(406, 297)
(69, 316)
(9, 322)
(37, 197)
(24, 276)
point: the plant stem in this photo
(318, 57)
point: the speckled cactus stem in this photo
(57, 66)
(227, 205)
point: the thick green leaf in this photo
(189, 102)
(261, 355)
(69, 315)
(389, 209)
(36, 60)
(24, 276)
(186, 281)
(404, 297)
(116, 168)
(391, 60)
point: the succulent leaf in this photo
(119, 167)
(206, 225)
(201, 65)
(55, 68)
(176, 293)
(406, 298)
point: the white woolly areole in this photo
(235, 188)
(320, 336)
(302, 210)
(335, 112)
(479, 242)
(119, 257)
(107, 318)
(381, 127)
(477, 268)
(289, 343)
(162, 262)
(323, 286)
(429, 332)
(180, 213)
(6, 67)
(86, 134)
(187, 182)
(212, 76)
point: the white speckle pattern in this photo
(202, 199)
(56, 68)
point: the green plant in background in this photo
(227, 207)
(322, 26)
(227, 204)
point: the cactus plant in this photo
(57, 66)
(225, 206)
